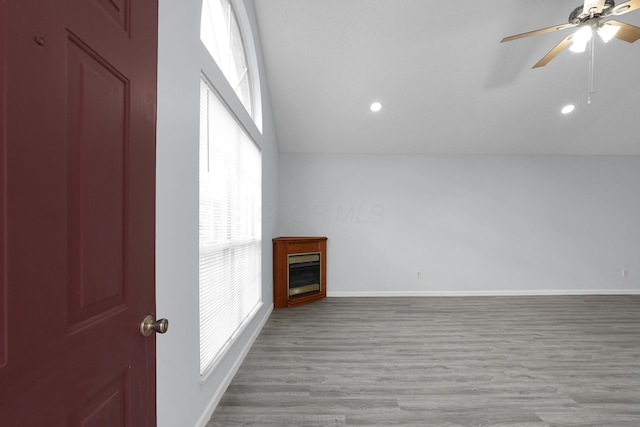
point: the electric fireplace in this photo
(299, 270)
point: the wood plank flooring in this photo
(443, 361)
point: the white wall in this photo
(469, 224)
(181, 399)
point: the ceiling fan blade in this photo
(627, 32)
(626, 7)
(536, 32)
(553, 52)
(590, 5)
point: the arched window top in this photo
(223, 37)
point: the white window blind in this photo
(230, 229)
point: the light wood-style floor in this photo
(458, 361)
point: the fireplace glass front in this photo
(304, 273)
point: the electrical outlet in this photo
(418, 274)
(625, 273)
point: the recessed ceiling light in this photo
(375, 107)
(567, 109)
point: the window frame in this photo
(252, 126)
(251, 121)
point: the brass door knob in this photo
(149, 326)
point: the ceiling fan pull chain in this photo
(591, 62)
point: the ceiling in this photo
(447, 84)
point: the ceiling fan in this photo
(588, 17)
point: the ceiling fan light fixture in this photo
(581, 38)
(607, 32)
(578, 47)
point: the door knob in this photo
(149, 326)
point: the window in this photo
(230, 172)
(220, 33)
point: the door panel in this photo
(118, 10)
(97, 106)
(77, 218)
(107, 408)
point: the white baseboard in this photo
(345, 294)
(208, 412)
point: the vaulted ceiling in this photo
(446, 83)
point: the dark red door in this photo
(77, 200)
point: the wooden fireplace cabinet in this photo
(282, 248)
